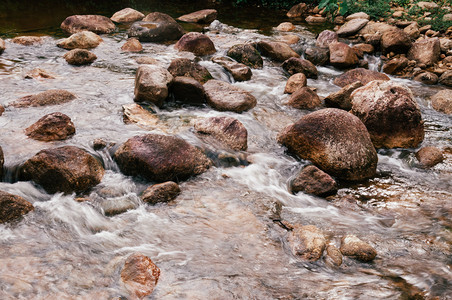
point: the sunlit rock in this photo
(246, 54)
(82, 40)
(27, 40)
(156, 27)
(127, 15)
(342, 56)
(312, 180)
(140, 275)
(442, 101)
(50, 97)
(342, 98)
(162, 192)
(151, 84)
(295, 82)
(197, 43)
(12, 207)
(356, 248)
(94, 23)
(307, 242)
(189, 68)
(359, 74)
(132, 45)
(295, 65)
(304, 98)
(223, 96)
(239, 72)
(52, 127)
(205, 16)
(79, 57)
(276, 51)
(429, 156)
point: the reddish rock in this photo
(162, 192)
(132, 45)
(50, 97)
(127, 15)
(446, 78)
(276, 50)
(227, 130)
(335, 141)
(312, 180)
(425, 51)
(307, 241)
(2, 110)
(65, 169)
(297, 10)
(27, 40)
(426, 78)
(295, 65)
(94, 23)
(239, 72)
(304, 98)
(135, 113)
(78, 57)
(442, 101)
(356, 248)
(156, 27)
(342, 56)
(223, 96)
(362, 75)
(82, 40)
(286, 26)
(140, 275)
(160, 158)
(295, 82)
(395, 66)
(342, 98)
(317, 55)
(358, 15)
(188, 68)
(412, 31)
(289, 39)
(395, 40)
(365, 48)
(315, 20)
(188, 90)
(52, 127)
(13, 207)
(205, 16)
(247, 55)
(151, 84)
(429, 156)
(325, 38)
(197, 43)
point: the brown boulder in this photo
(197, 43)
(161, 192)
(151, 84)
(140, 275)
(325, 38)
(314, 181)
(390, 113)
(342, 56)
(239, 72)
(315, 20)
(188, 90)
(296, 65)
(247, 55)
(359, 74)
(395, 40)
(297, 10)
(27, 40)
(276, 50)
(223, 96)
(132, 45)
(442, 101)
(429, 156)
(304, 98)
(317, 55)
(396, 66)
(82, 40)
(365, 48)
(289, 39)
(188, 68)
(285, 26)
(94, 23)
(352, 27)
(160, 158)
(65, 169)
(205, 16)
(426, 51)
(333, 256)
(412, 31)
(227, 130)
(295, 82)
(52, 127)
(13, 207)
(356, 248)
(342, 98)
(426, 78)
(156, 27)
(307, 241)
(446, 78)
(335, 141)
(50, 97)
(127, 15)
(78, 57)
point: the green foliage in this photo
(374, 8)
(402, 3)
(270, 3)
(437, 20)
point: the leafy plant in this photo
(374, 8)
(334, 7)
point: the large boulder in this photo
(52, 127)
(354, 247)
(161, 192)
(446, 78)
(295, 82)
(65, 169)
(197, 43)
(307, 241)
(139, 275)
(132, 45)
(312, 180)
(223, 96)
(296, 65)
(429, 156)
(82, 40)
(297, 10)
(189, 68)
(94, 23)
(188, 90)
(342, 55)
(359, 74)
(50, 97)
(325, 38)
(276, 51)
(79, 57)
(156, 27)
(13, 207)
(304, 98)
(425, 51)
(151, 84)
(127, 15)
(239, 72)
(358, 15)
(395, 40)
(352, 27)
(390, 114)
(227, 130)
(247, 55)
(442, 101)
(342, 98)
(205, 16)
(317, 55)
(335, 141)
(160, 158)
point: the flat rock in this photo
(312, 180)
(188, 90)
(276, 51)
(307, 242)
(352, 27)
(151, 84)
(342, 98)
(156, 27)
(356, 248)
(315, 20)
(247, 55)
(161, 192)
(295, 82)
(197, 43)
(50, 97)
(13, 207)
(52, 127)
(132, 45)
(359, 74)
(188, 68)
(127, 15)
(295, 65)
(205, 16)
(442, 101)
(139, 275)
(223, 96)
(134, 113)
(304, 98)
(358, 15)
(94, 23)
(82, 40)
(240, 72)
(429, 156)
(27, 40)
(79, 57)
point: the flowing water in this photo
(220, 239)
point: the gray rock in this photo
(151, 84)
(223, 96)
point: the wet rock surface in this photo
(12, 207)
(312, 180)
(304, 98)
(27, 40)
(276, 51)
(188, 90)
(342, 98)
(50, 97)
(295, 65)
(295, 82)
(307, 241)
(132, 45)
(79, 57)
(204, 16)
(188, 68)
(359, 74)
(51, 127)
(82, 40)
(94, 23)
(342, 56)
(239, 72)
(223, 96)
(162, 192)
(355, 248)
(429, 156)
(156, 27)
(197, 43)
(442, 101)
(2, 46)
(247, 55)
(151, 84)
(140, 275)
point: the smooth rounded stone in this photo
(312, 180)
(78, 57)
(162, 192)
(359, 74)
(127, 15)
(112, 207)
(38, 73)
(426, 78)
(354, 247)
(156, 27)
(352, 27)
(12, 207)
(99, 144)
(229, 131)
(307, 242)
(188, 90)
(134, 113)
(427, 5)
(204, 16)
(390, 114)
(94, 23)
(223, 96)
(295, 82)
(50, 97)
(333, 256)
(412, 30)
(325, 38)
(426, 51)
(276, 51)
(445, 44)
(396, 66)
(296, 65)
(27, 40)
(2, 46)
(2, 161)
(442, 101)
(289, 39)
(358, 15)
(304, 98)
(315, 20)
(52, 127)
(82, 40)
(239, 72)
(160, 158)
(318, 56)
(335, 141)
(447, 18)
(247, 55)
(376, 27)
(429, 156)
(342, 56)
(425, 28)
(189, 68)
(395, 40)
(139, 275)
(65, 169)
(146, 60)
(365, 48)
(342, 98)
(151, 84)
(446, 78)
(197, 43)
(132, 45)
(297, 10)
(285, 26)
(373, 39)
